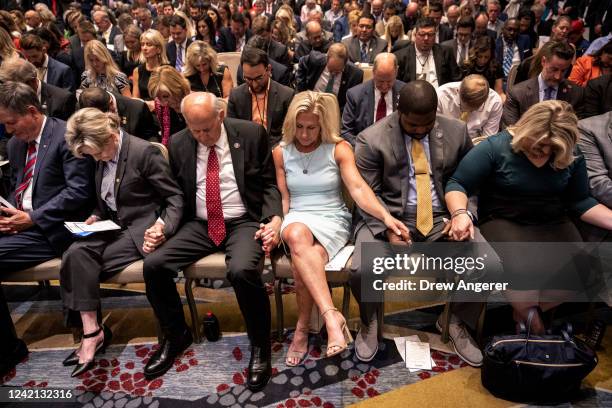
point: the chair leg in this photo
(380, 317)
(193, 310)
(346, 300)
(280, 318)
(446, 322)
(76, 334)
(480, 324)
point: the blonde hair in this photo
(283, 29)
(97, 49)
(167, 79)
(353, 16)
(90, 127)
(197, 52)
(135, 32)
(553, 121)
(474, 90)
(154, 37)
(325, 105)
(7, 47)
(287, 12)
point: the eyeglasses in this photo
(256, 79)
(426, 35)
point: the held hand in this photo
(402, 239)
(91, 219)
(269, 234)
(14, 220)
(460, 228)
(397, 227)
(153, 238)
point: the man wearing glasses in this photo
(364, 47)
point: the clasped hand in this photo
(153, 238)
(13, 220)
(397, 232)
(459, 228)
(269, 234)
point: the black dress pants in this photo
(243, 256)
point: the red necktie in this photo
(381, 109)
(214, 209)
(28, 172)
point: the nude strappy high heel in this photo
(335, 349)
(299, 354)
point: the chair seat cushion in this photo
(49, 270)
(211, 266)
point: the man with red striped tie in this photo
(48, 186)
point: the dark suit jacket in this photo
(77, 55)
(446, 65)
(280, 73)
(62, 189)
(240, 106)
(57, 102)
(303, 46)
(136, 117)
(279, 53)
(383, 161)
(597, 96)
(524, 48)
(312, 65)
(358, 112)
(376, 46)
(492, 34)
(171, 49)
(144, 190)
(452, 44)
(526, 94)
(445, 33)
(59, 74)
(340, 28)
(227, 41)
(253, 167)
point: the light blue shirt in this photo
(542, 89)
(598, 44)
(412, 193)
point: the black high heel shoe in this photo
(73, 358)
(80, 368)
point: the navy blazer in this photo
(524, 47)
(59, 74)
(63, 186)
(227, 41)
(358, 112)
(171, 52)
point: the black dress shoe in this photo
(13, 357)
(260, 368)
(80, 368)
(73, 358)
(168, 351)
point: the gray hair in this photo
(384, 56)
(18, 70)
(90, 127)
(17, 98)
(200, 97)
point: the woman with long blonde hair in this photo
(204, 72)
(152, 55)
(394, 31)
(130, 57)
(7, 47)
(312, 163)
(101, 70)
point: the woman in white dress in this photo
(312, 162)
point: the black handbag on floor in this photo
(528, 368)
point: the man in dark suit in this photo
(481, 24)
(443, 32)
(463, 42)
(262, 26)
(234, 37)
(225, 169)
(48, 187)
(86, 32)
(279, 72)
(260, 100)
(56, 102)
(49, 69)
(511, 47)
(177, 48)
(366, 45)
(316, 40)
(426, 60)
(373, 100)
(331, 72)
(109, 33)
(134, 115)
(597, 96)
(135, 189)
(391, 156)
(550, 84)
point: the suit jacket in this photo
(253, 167)
(375, 47)
(303, 46)
(171, 51)
(312, 65)
(527, 93)
(340, 28)
(77, 55)
(227, 41)
(280, 73)
(136, 117)
(596, 145)
(383, 161)
(452, 45)
(279, 53)
(597, 96)
(62, 185)
(240, 106)
(492, 34)
(445, 33)
(444, 59)
(524, 48)
(144, 190)
(59, 74)
(358, 112)
(57, 102)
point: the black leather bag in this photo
(527, 368)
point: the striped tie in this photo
(28, 172)
(508, 55)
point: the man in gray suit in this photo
(373, 100)
(389, 155)
(366, 45)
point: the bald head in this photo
(204, 116)
(384, 72)
(412, 9)
(474, 91)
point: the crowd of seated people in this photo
(415, 108)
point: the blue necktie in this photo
(548, 93)
(364, 53)
(507, 63)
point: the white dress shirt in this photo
(44, 68)
(325, 77)
(27, 194)
(459, 49)
(184, 50)
(482, 122)
(388, 101)
(231, 201)
(428, 69)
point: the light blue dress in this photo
(316, 196)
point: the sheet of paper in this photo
(98, 226)
(338, 262)
(5, 203)
(418, 355)
(400, 343)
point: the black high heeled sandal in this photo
(80, 368)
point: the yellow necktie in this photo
(464, 116)
(424, 218)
